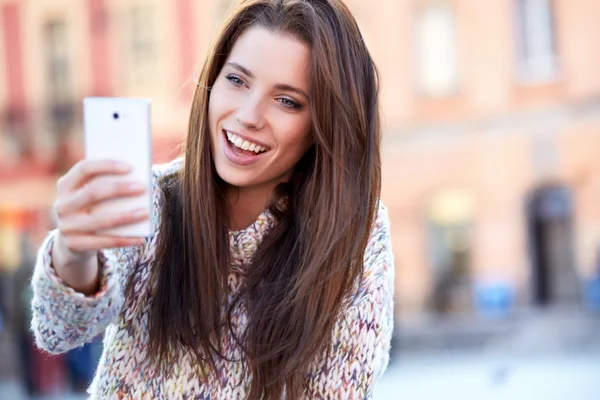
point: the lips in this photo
(238, 155)
(245, 144)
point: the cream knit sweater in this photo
(64, 319)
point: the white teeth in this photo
(244, 144)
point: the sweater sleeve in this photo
(358, 353)
(62, 318)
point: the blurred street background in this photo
(491, 175)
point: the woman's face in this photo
(259, 112)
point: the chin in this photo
(235, 179)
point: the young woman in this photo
(270, 275)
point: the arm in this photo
(359, 350)
(62, 318)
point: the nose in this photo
(250, 113)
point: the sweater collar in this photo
(243, 243)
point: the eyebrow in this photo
(279, 86)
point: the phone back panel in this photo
(119, 129)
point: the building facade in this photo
(492, 124)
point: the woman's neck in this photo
(246, 204)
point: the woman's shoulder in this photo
(380, 235)
(160, 171)
(168, 168)
(378, 259)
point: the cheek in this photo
(211, 116)
(304, 138)
(216, 105)
(296, 142)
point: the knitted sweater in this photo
(64, 319)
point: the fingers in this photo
(87, 183)
(83, 223)
(82, 243)
(85, 170)
(98, 190)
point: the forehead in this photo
(273, 57)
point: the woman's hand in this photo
(74, 253)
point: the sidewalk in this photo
(535, 354)
(526, 331)
(475, 376)
(12, 390)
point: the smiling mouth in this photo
(244, 147)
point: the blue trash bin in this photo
(592, 293)
(493, 299)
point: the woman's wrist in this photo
(79, 273)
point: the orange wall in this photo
(482, 140)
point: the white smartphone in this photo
(119, 129)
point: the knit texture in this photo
(64, 319)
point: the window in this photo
(550, 219)
(60, 102)
(536, 42)
(449, 250)
(57, 61)
(142, 52)
(436, 49)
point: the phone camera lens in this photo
(116, 115)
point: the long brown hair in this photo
(311, 259)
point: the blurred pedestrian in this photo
(271, 273)
(22, 317)
(42, 374)
(592, 285)
(81, 364)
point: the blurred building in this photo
(492, 122)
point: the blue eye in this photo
(289, 103)
(234, 80)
